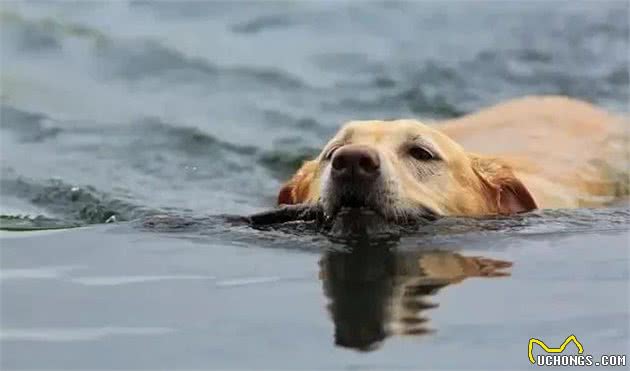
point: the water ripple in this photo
(77, 334)
(127, 280)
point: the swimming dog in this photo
(525, 154)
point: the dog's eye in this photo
(421, 154)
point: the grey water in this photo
(113, 112)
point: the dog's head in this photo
(403, 169)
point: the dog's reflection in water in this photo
(378, 292)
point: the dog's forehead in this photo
(380, 131)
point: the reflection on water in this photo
(376, 292)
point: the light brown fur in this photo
(533, 152)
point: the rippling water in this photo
(117, 111)
(205, 107)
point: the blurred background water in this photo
(205, 107)
(113, 111)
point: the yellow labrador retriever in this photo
(529, 153)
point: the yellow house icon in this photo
(560, 349)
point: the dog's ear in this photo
(296, 190)
(504, 190)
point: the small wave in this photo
(613, 25)
(383, 82)
(284, 162)
(187, 139)
(33, 223)
(284, 120)
(182, 9)
(274, 78)
(248, 281)
(434, 73)
(472, 231)
(533, 55)
(536, 71)
(262, 23)
(172, 223)
(77, 334)
(436, 105)
(138, 279)
(433, 90)
(413, 100)
(444, 233)
(138, 59)
(75, 206)
(142, 59)
(133, 60)
(147, 132)
(30, 127)
(620, 76)
(37, 272)
(48, 33)
(281, 161)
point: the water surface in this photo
(112, 112)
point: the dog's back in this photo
(568, 152)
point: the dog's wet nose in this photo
(355, 161)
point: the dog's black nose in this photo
(355, 162)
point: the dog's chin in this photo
(364, 210)
(358, 221)
(354, 221)
(335, 207)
